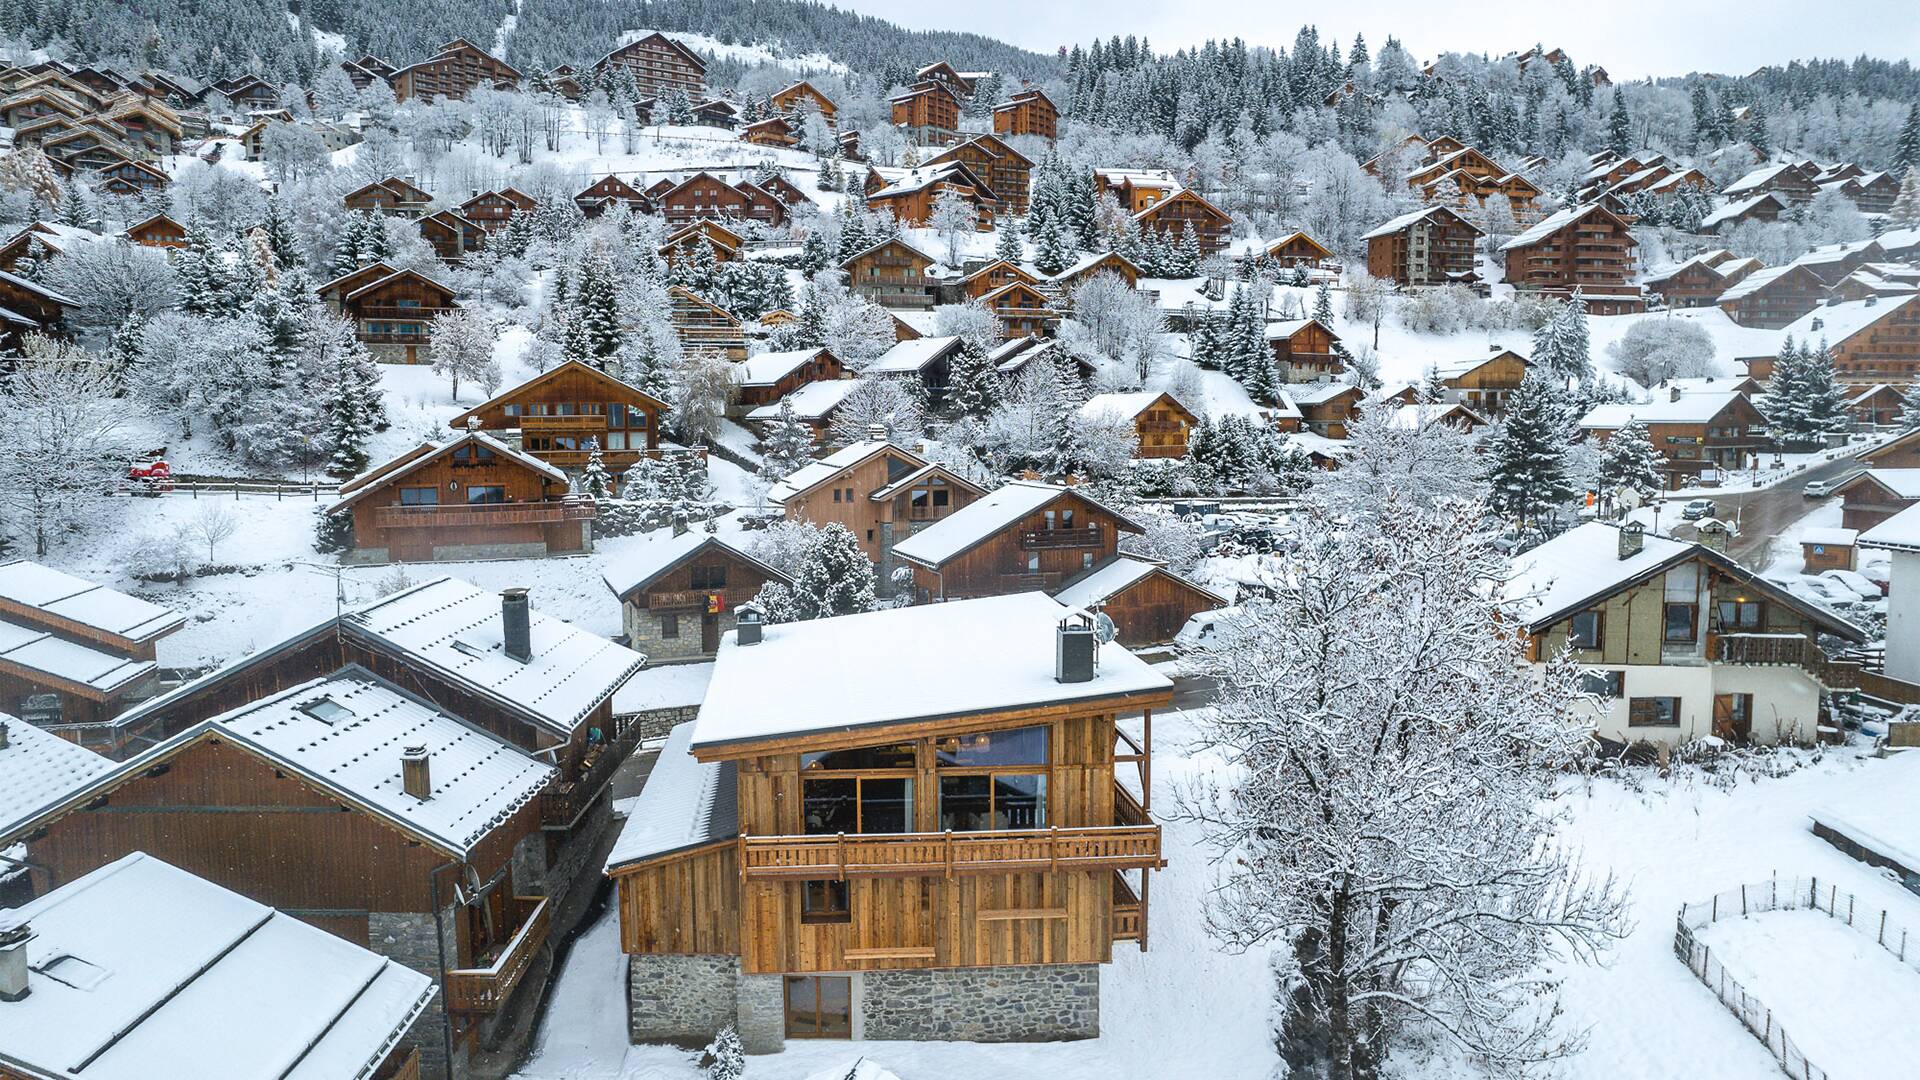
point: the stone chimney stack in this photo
(13, 962)
(1633, 537)
(1714, 535)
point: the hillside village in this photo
(711, 559)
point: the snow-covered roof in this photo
(86, 603)
(1902, 483)
(811, 402)
(1088, 262)
(909, 357)
(977, 521)
(455, 630)
(1756, 178)
(1739, 208)
(1404, 220)
(1830, 537)
(1901, 532)
(927, 662)
(1128, 404)
(924, 177)
(685, 804)
(1282, 329)
(1876, 809)
(1114, 578)
(394, 468)
(1664, 409)
(766, 369)
(1421, 415)
(814, 472)
(1553, 223)
(1319, 393)
(1314, 443)
(646, 557)
(35, 652)
(142, 971)
(1836, 323)
(1754, 282)
(38, 768)
(1138, 177)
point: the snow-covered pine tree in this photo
(1323, 306)
(595, 481)
(1628, 462)
(1057, 251)
(280, 238)
(1008, 246)
(352, 404)
(974, 385)
(1187, 252)
(787, 443)
(1906, 149)
(1527, 455)
(594, 330)
(814, 253)
(1905, 211)
(1786, 407)
(1826, 403)
(1619, 126)
(202, 274)
(726, 1056)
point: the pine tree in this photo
(1008, 247)
(75, 211)
(974, 385)
(1786, 394)
(1056, 249)
(787, 444)
(1757, 136)
(814, 254)
(202, 274)
(1527, 455)
(280, 240)
(1323, 306)
(1561, 345)
(352, 405)
(1905, 211)
(595, 481)
(1187, 259)
(594, 332)
(1906, 151)
(1826, 403)
(727, 1056)
(1629, 462)
(1619, 126)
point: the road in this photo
(1768, 512)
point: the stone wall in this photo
(680, 999)
(1007, 1004)
(408, 938)
(659, 723)
(643, 634)
(761, 1013)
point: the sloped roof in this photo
(1901, 532)
(388, 471)
(1739, 208)
(1400, 223)
(1553, 223)
(986, 517)
(38, 656)
(573, 367)
(766, 369)
(640, 563)
(1129, 404)
(815, 473)
(685, 804)
(1838, 322)
(1116, 577)
(38, 768)
(911, 357)
(814, 401)
(1696, 408)
(86, 603)
(203, 982)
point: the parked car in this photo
(1820, 489)
(1697, 509)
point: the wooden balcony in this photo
(563, 802)
(486, 989)
(1787, 650)
(946, 854)
(1160, 426)
(1061, 538)
(483, 514)
(1129, 913)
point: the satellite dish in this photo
(1103, 628)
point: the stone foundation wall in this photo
(681, 999)
(659, 723)
(761, 1013)
(643, 634)
(408, 938)
(1009, 1004)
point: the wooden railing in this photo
(1129, 913)
(1788, 650)
(486, 990)
(437, 516)
(1160, 426)
(1061, 538)
(562, 803)
(946, 854)
(406, 1067)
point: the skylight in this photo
(326, 710)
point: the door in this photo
(1733, 717)
(710, 634)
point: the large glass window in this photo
(819, 1007)
(1740, 615)
(485, 493)
(419, 496)
(1018, 746)
(993, 780)
(1679, 623)
(857, 804)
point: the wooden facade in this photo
(1161, 422)
(393, 314)
(659, 66)
(911, 198)
(792, 99)
(1886, 349)
(459, 68)
(1485, 386)
(390, 196)
(1022, 309)
(892, 274)
(880, 492)
(1152, 610)
(1185, 212)
(1726, 441)
(1303, 351)
(702, 325)
(1771, 299)
(469, 497)
(492, 210)
(775, 131)
(679, 611)
(1699, 281)
(1588, 250)
(702, 195)
(1007, 171)
(451, 236)
(559, 412)
(1298, 249)
(1060, 540)
(158, 231)
(929, 111)
(821, 366)
(1434, 246)
(1873, 496)
(1029, 112)
(1328, 409)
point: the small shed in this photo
(1828, 549)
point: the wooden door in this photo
(709, 634)
(1733, 717)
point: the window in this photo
(1086, 560)
(1033, 562)
(711, 576)
(1583, 630)
(616, 415)
(419, 496)
(669, 626)
(857, 804)
(485, 493)
(1603, 683)
(473, 454)
(836, 494)
(1678, 623)
(993, 780)
(616, 440)
(942, 497)
(1740, 615)
(894, 756)
(1653, 712)
(824, 902)
(819, 1007)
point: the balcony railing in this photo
(1146, 426)
(562, 803)
(946, 854)
(435, 516)
(1788, 650)
(486, 990)
(1061, 538)
(1129, 913)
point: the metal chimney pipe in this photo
(516, 621)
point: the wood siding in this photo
(1005, 562)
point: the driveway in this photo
(1764, 514)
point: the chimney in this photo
(3, 734)
(1633, 537)
(1673, 394)
(748, 620)
(877, 432)
(1075, 645)
(515, 624)
(1819, 324)
(13, 962)
(1714, 534)
(679, 523)
(416, 777)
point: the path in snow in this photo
(1843, 999)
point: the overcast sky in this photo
(1630, 38)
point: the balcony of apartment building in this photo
(1785, 650)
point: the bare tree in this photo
(63, 420)
(953, 217)
(213, 525)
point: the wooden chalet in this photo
(1484, 385)
(1086, 269)
(1304, 350)
(1162, 422)
(467, 497)
(820, 866)
(1692, 432)
(1431, 246)
(718, 113)
(459, 68)
(800, 96)
(1873, 340)
(1584, 249)
(781, 188)
(1185, 213)
(768, 377)
(365, 71)
(1297, 249)
(565, 81)
(28, 307)
(1790, 181)
(911, 195)
(149, 126)
(1773, 297)
(1327, 408)
(763, 205)
(813, 404)
(1019, 537)
(700, 196)
(703, 325)
(1700, 280)
(595, 198)
(1466, 179)
(1148, 603)
(891, 273)
(74, 653)
(560, 413)
(130, 178)
(1872, 193)
(392, 311)
(1877, 406)
(929, 111)
(1022, 309)
(667, 582)
(1005, 170)
(726, 243)
(158, 231)
(659, 66)
(1879, 493)
(991, 277)
(390, 196)
(881, 492)
(927, 361)
(492, 210)
(1764, 207)
(1831, 263)
(1137, 189)
(451, 236)
(221, 983)
(1877, 280)
(775, 131)
(248, 92)
(1029, 112)
(962, 83)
